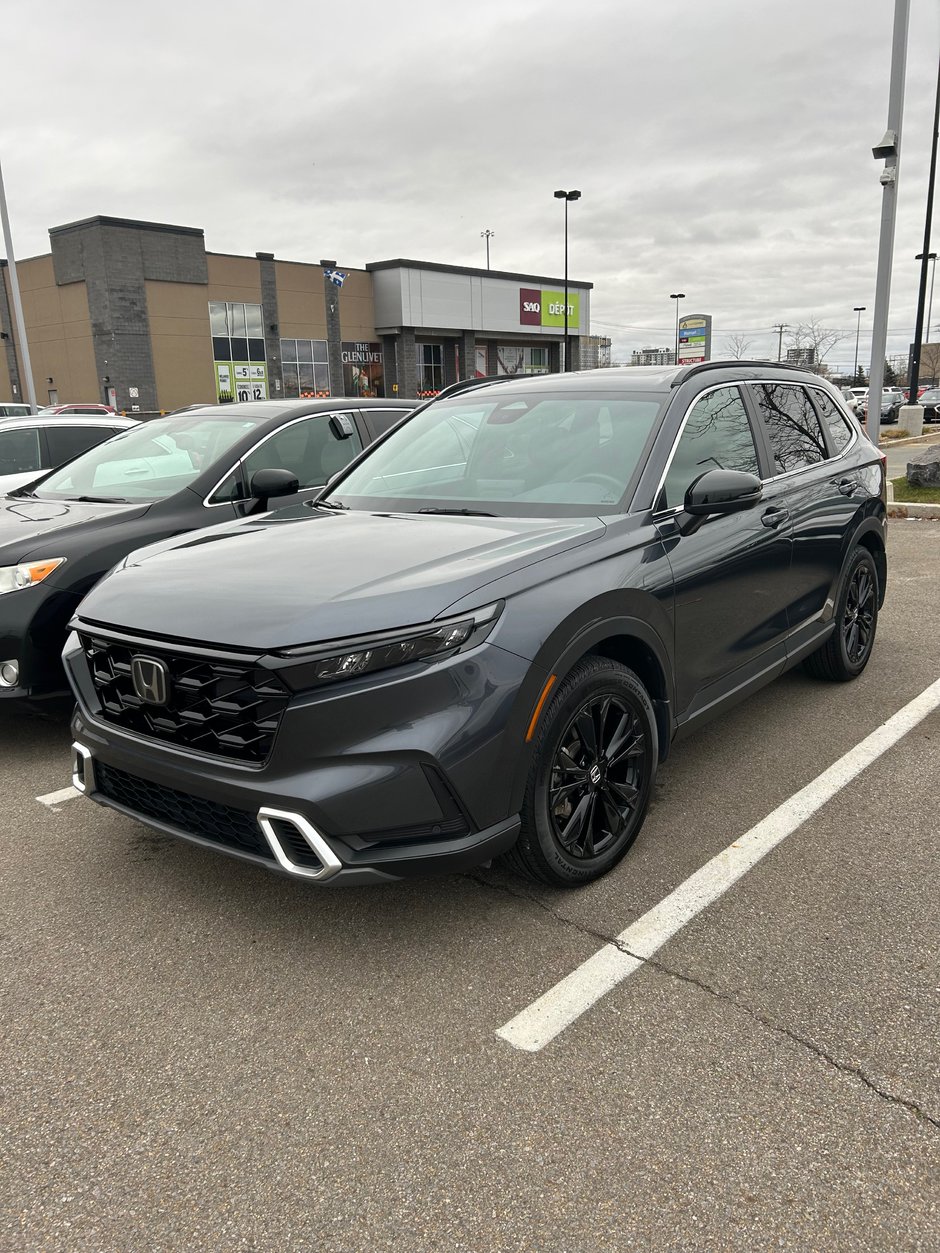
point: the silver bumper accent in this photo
(83, 769)
(330, 863)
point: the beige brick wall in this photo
(181, 344)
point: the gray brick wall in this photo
(467, 353)
(114, 257)
(6, 325)
(272, 339)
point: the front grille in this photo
(227, 708)
(231, 828)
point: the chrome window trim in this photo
(773, 478)
(209, 503)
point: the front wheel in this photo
(591, 776)
(846, 652)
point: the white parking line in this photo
(560, 1006)
(56, 798)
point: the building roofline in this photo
(401, 263)
(130, 223)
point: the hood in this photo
(302, 575)
(25, 521)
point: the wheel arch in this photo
(870, 535)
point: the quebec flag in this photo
(335, 276)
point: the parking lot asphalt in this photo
(199, 1055)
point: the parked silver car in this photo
(31, 446)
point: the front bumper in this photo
(399, 776)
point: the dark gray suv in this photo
(484, 636)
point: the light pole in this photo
(487, 235)
(566, 196)
(932, 258)
(859, 309)
(677, 296)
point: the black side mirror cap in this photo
(716, 493)
(268, 483)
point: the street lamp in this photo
(859, 309)
(487, 235)
(677, 296)
(566, 196)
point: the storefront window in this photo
(305, 367)
(535, 360)
(430, 369)
(241, 371)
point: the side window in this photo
(717, 435)
(796, 437)
(66, 442)
(310, 449)
(839, 430)
(19, 451)
(380, 420)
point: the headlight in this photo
(12, 578)
(329, 663)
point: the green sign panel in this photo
(553, 309)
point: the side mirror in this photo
(718, 492)
(266, 484)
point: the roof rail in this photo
(688, 371)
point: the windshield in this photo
(148, 462)
(931, 396)
(535, 453)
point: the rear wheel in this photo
(591, 776)
(846, 652)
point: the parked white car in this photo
(32, 446)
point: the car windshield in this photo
(148, 462)
(519, 451)
(931, 396)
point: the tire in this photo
(596, 752)
(846, 652)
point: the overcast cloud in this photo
(722, 149)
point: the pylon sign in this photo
(695, 338)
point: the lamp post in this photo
(859, 309)
(487, 235)
(677, 296)
(932, 258)
(925, 255)
(566, 196)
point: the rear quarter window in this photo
(840, 432)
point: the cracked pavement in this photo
(197, 1055)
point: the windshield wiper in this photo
(101, 500)
(328, 504)
(465, 513)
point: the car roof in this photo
(68, 419)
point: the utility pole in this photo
(889, 150)
(925, 258)
(780, 328)
(27, 368)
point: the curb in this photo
(899, 509)
(933, 436)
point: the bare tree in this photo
(739, 347)
(816, 340)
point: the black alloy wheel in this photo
(858, 619)
(594, 786)
(591, 776)
(846, 652)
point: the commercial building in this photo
(140, 315)
(653, 356)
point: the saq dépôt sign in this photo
(540, 307)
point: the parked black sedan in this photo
(485, 635)
(61, 533)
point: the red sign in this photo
(530, 306)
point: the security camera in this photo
(887, 177)
(887, 148)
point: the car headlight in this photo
(12, 578)
(330, 663)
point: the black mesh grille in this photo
(232, 828)
(225, 708)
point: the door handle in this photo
(845, 486)
(774, 517)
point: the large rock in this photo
(923, 470)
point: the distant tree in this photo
(812, 337)
(860, 379)
(891, 375)
(739, 347)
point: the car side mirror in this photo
(266, 484)
(716, 493)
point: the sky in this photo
(722, 148)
